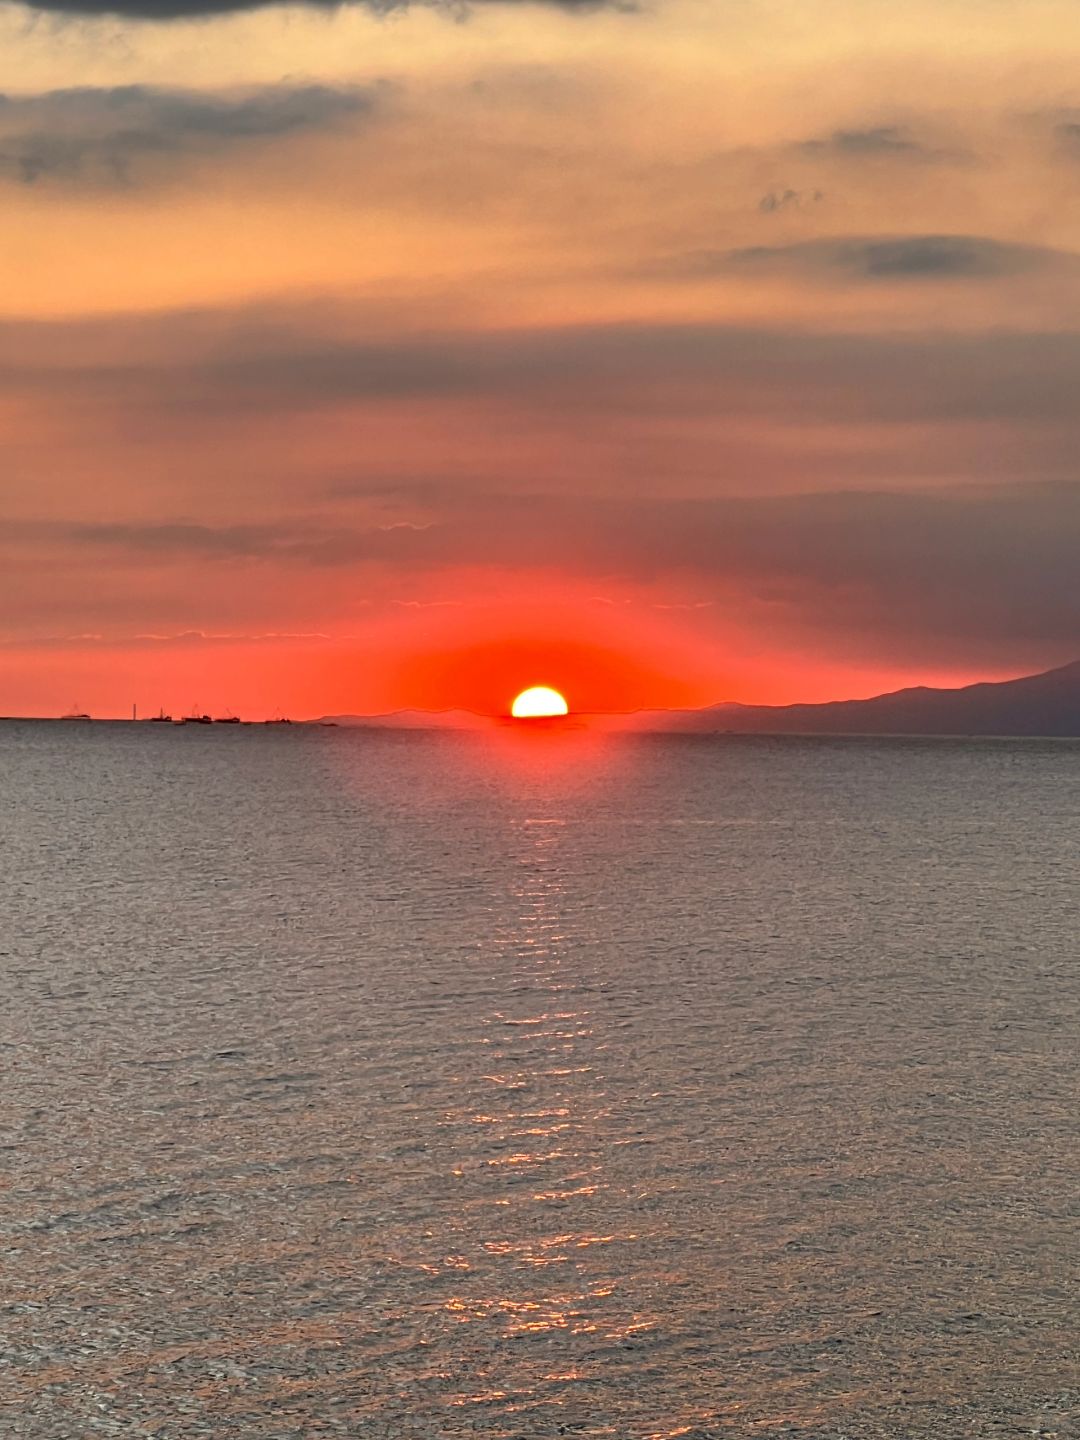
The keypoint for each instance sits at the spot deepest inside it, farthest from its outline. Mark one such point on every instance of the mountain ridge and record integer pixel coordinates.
(1043, 704)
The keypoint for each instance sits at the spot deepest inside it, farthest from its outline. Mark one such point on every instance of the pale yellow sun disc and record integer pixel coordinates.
(538, 702)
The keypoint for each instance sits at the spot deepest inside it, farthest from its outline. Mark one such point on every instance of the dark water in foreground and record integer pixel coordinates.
(397, 1085)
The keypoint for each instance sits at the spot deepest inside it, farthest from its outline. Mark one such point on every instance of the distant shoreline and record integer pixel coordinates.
(1044, 706)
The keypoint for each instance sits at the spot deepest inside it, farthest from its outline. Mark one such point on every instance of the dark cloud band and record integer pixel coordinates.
(103, 137)
(269, 356)
(878, 258)
(171, 10)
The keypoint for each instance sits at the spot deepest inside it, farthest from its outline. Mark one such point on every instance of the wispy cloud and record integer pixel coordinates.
(194, 363)
(105, 137)
(775, 201)
(881, 258)
(875, 142)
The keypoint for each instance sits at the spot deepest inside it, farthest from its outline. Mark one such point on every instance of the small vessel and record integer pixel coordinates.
(227, 720)
(74, 714)
(160, 718)
(195, 719)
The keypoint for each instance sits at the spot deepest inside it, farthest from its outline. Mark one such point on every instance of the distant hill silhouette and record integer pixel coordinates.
(1046, 704)
(407, 720)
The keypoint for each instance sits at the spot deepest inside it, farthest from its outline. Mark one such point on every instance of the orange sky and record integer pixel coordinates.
(666, 354)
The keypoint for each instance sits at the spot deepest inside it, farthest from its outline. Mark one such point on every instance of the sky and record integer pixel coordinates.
(389, 355)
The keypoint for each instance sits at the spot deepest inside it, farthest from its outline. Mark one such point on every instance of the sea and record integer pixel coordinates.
(415, 1085)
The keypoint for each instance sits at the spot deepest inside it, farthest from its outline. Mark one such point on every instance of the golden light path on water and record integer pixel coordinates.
(545, 1109)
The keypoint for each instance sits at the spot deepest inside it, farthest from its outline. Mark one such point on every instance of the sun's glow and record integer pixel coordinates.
(538, 702)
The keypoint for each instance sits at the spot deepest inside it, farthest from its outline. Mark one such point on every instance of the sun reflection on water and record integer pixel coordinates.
(545, 1048)
(539, 1237)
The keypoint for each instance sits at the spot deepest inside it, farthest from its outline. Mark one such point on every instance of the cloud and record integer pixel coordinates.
(172, 10)
(101, 137)
(874, 142)
(884, 258)
(179, 640)
(948, 572)
(209, 364)
(907, 573)
(777, 200)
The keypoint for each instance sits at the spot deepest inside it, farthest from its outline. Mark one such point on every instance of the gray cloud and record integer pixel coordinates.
(194, 364)
(776, 200)
(183, 539)
(173, 10)
(883, 258)
(93, 136)
(874, 142)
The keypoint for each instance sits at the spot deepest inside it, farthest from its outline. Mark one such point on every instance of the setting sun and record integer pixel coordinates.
(538, 702)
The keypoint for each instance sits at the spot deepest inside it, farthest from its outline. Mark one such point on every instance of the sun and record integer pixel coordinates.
(537, 703)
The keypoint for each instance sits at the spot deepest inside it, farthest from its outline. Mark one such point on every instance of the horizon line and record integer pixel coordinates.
(329, 717)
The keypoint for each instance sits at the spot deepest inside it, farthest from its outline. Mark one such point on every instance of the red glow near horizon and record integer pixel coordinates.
(614, 654)
(608, 657)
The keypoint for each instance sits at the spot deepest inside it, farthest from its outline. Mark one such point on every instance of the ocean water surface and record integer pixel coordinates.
(415, 1085)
